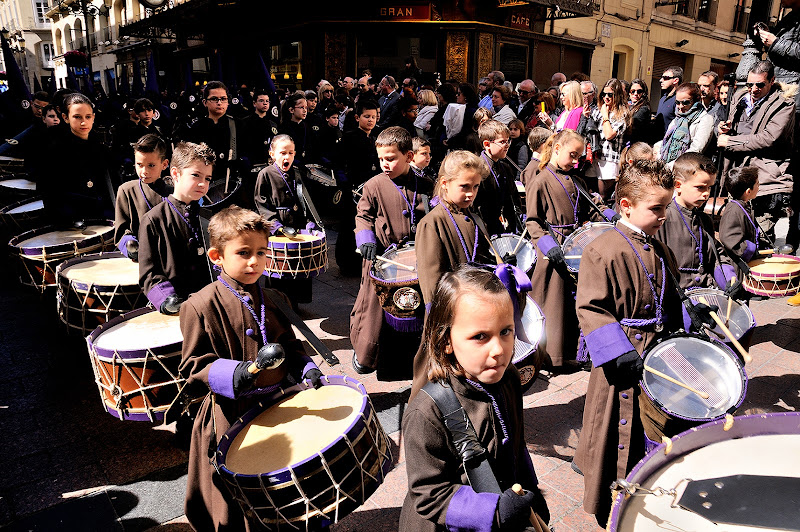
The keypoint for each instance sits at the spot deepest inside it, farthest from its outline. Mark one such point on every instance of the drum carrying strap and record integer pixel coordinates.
(298, 322)
(588, 198)
(310, 204)
(473, 455)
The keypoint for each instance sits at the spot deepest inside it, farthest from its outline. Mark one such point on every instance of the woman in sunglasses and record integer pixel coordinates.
(691, 128)
(640, 130)
(615, 118)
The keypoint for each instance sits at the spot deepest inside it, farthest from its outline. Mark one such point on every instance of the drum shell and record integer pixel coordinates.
(277, 489)
(24, 220)
(773, 284)
(156, 367)
(529, 354)
(399, 319)
(303, 259)
(742, 323)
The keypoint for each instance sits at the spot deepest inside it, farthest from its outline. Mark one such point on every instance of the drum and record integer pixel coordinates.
(774, 276)
(528, 358)
(302, 256)
(320, 174)
(760, 445)
(575, 243)
(42, 250)
(22, 215)
(710, 367)
(741, 321)
(93, 289)
(398, 288)
(307, 460)
(135, 358)
(526, 253)
(16, 188)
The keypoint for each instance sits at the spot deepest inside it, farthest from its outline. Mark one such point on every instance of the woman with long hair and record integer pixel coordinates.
(691, 128)
(640, 113)
(615, 118)
(572, 99)
(428, 105)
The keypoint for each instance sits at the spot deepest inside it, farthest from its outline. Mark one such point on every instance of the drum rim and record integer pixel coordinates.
(516, 360)
(271, 399)
(64, 246)
(734, 358)
(697, 437)
(588, 225)
(716, 291)
(394, 247)
(83, 285)
(303, 244)
(527, 244)
(18, 179)
(5, 211)
(777, 276)
(127, 354)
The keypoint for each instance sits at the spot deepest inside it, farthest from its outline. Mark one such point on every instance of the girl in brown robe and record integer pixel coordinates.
(626, 300)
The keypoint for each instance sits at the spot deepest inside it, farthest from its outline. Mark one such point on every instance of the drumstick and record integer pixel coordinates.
(745, 355)
(517, 488)
(521, 240)
(253, 368)
(730, 301)
(572, 257)
(704, 395)
(398, 264)
(228, 173)
(766, 251)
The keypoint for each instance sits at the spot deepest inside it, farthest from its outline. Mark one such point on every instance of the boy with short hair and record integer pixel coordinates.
(738, 230)
(260, 128)
(330, 138)
(233, 370)
(136, 197)
(392, 204)
(422, 156)
(172, 262)
(688, 231)
(409, 109)
(498, 200)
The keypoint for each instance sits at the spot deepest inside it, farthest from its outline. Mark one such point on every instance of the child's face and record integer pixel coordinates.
(498, 148)
(299, 111)
(243, 258)
(333, 121)
(367, 119)
(149, 166)
(422, 157)
(191, 183)
(80, 119)
(283, 154)
(311, 105)
(461, 190)
(262, 103)
(146, 116)
(649, 213)
(482, 336)
(694, 191)
(217, 102)
(394, 162)
(411, 113)
(515, 132)
(565, 157)
(51, 118)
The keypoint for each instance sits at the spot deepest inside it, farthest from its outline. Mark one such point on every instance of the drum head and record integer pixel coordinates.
(776, 266)
(19, 184)
(527, 340)
(29, 206)
(741, 318)
(704, 365)
(299, 239)
(526, 254)
(391, 273)
(576, 242)
(42, 241)
(110, 271)
(294, 430)
(141, 332)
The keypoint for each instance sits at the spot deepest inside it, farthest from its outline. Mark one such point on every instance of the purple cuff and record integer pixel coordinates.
(365, 236)
(309, 365)
(310, 226)
(220, 377)
(546, 243)
(123, 243)
(610, 214)
(749, 250)
(471, 512)
(275, 226)
(159, 293)
(607, 343)
(722, 274)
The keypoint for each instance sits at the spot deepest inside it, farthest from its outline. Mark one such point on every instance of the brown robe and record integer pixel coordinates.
(613, 286)
(215, 324)
(172, 257)
(676, 236)
(135, 199)
(498, 196)
(739, 233)
(553, 288)
(380, 219)
(276, 201)
(438, 489)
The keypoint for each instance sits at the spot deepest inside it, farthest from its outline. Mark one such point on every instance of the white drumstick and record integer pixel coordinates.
(730, 301)
(745, 355)
(394, 263)
(572, 257)
(647, 368)
(521, 240)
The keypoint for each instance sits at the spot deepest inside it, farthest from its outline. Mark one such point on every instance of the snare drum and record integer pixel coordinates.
(321, 174)
(307, 460)
(94, 289)
(528, 358)
(42, 250)
(16, 188)
(300, 257)
(135, 358)
(760, 445)
(22, 215)
(398, 289)
(775, 276)
(526, 253)
(710, 367)
(575, 243)
(741, 322)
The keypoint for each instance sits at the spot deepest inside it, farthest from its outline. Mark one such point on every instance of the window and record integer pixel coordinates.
(40, 9)
(47, 54)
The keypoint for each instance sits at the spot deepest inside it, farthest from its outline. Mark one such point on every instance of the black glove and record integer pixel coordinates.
(132, 247)
(514, 511)
(315, 376)
(628, 369)
(368, 251)
(555, 255)
(510, 258)
(242, 378)
(288, 232)
(270, 356)
(700, 314)
(733, 289)
(172, 305)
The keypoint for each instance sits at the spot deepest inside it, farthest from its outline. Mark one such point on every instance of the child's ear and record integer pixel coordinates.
(409, 156)
(174, 173)
(215, 256)
(486, 143)
(448, 348)
(164, 164)
(625, 204)
(678, 184)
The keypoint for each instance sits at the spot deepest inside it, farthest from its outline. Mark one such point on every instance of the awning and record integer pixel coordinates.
(558, 8)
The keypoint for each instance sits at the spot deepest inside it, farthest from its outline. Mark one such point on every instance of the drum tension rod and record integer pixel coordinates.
(634, 489)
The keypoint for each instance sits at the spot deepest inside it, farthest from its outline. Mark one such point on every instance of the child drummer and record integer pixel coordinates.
(136, 197)
(738, 230)
(391, 206)
(498, 201)
(172, 251)
(218, 359)
(279, 197)
(626, 301)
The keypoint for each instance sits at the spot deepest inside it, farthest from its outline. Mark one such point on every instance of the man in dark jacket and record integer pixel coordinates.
(670, 79)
